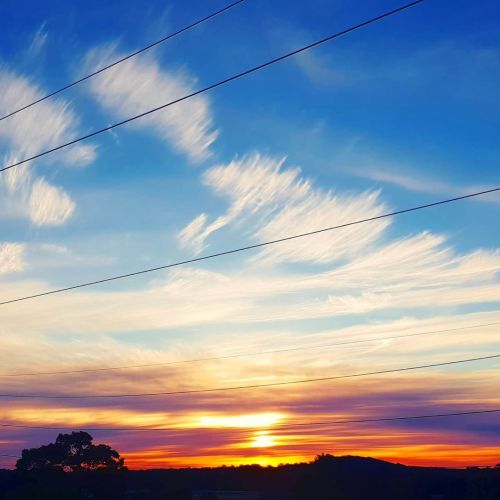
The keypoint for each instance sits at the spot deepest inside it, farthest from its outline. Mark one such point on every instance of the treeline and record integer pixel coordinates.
(327, 478)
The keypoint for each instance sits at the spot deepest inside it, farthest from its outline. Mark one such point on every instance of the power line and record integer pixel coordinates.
(251, 247)
(248, 354)
(241, 387)
(129, 56)
(218, 84)
(272, 427)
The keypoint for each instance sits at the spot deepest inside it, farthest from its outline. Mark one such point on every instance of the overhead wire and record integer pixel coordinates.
(248, 354)
(217, 84)
(125, 58)
(251, 247)
(249, 386)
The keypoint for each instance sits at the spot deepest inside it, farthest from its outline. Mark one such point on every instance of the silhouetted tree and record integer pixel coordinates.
(70, 453)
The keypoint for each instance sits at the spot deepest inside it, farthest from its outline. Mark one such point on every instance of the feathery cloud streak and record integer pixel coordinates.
(24, 195)
(140, 84)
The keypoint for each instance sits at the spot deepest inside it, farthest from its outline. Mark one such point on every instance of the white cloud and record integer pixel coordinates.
(44, 126)
(15, 186)
(139, 84)
(39, 41)
(256, 181)
(286, 204)
(11, 257)
(252, 184)
(320, 70)
(360, 270)
(364, 274)
(81, 155)
(318, 211)
(417, 273)
(49, 205)
(193, 235)
(418, 183)
(406, 180)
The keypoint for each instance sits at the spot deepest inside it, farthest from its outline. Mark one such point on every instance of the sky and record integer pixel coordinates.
(398, 114)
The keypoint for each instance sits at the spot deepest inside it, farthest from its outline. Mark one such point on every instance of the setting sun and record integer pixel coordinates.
(263, 440)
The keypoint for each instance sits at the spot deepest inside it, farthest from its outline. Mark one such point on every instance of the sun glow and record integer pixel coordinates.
(257, 420)
(89, 416)
(262, 439)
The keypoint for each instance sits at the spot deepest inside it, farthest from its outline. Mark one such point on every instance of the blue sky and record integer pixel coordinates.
(401, 113)
(413, 95)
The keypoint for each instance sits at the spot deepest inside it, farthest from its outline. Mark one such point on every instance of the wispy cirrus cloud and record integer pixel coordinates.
(420, 183)
(26, 196)
(252, 185)
(43, 126)
(11, 257)
(39, 40)
(419, 272)
(49, 205)
(140, 84)
(260, 188)
(25, 134)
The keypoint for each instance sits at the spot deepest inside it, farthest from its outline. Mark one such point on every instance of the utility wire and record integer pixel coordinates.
(271, 427)
(129, 56)
(241, 387)
(218, 84)
(248, 354)
(251, 247)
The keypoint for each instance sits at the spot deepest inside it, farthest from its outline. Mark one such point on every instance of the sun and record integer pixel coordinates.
(262, 439)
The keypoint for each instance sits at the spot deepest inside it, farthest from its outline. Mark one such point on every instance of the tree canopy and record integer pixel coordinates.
(70, 453)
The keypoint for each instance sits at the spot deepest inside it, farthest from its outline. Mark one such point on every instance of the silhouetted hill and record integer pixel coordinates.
(327, 478)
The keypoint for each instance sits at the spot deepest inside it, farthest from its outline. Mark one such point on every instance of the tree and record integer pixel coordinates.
(70, 453)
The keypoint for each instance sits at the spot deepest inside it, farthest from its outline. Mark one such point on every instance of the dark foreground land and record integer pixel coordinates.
(332, 478)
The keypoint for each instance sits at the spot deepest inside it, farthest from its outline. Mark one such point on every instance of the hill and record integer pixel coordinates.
(327, 478)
